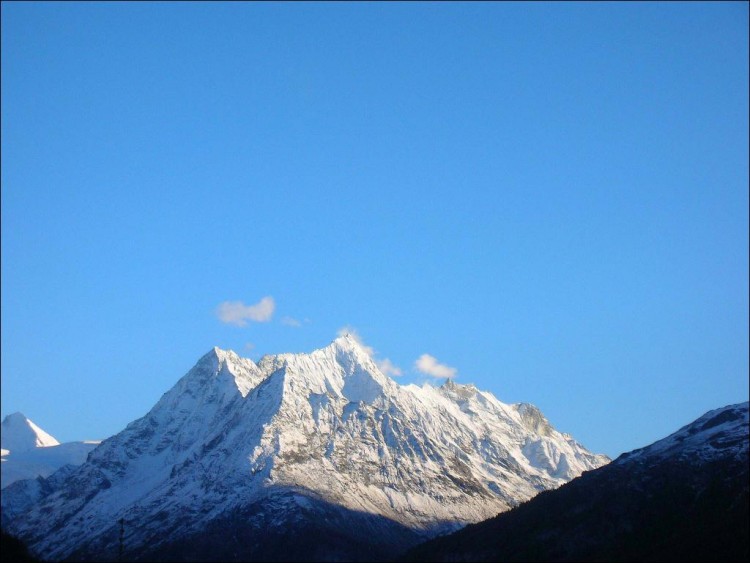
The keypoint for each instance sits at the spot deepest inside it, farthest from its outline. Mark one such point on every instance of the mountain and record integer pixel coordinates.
(20, 434)
(298, 457)
(29, 452)
(683, 498)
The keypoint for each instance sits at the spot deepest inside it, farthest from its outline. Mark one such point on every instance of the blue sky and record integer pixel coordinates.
(551, 199)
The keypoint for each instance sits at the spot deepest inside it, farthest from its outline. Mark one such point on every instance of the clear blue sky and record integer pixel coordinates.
(550, 198)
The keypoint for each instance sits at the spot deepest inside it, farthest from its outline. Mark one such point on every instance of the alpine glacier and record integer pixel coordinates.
(254, 446)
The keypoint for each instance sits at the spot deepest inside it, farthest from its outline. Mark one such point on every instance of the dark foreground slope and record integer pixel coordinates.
(14, 549)
(285, 526)
(684, 498)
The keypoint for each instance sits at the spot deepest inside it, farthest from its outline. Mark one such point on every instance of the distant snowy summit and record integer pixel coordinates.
(29, 452)
(20, 434)
(321, 445)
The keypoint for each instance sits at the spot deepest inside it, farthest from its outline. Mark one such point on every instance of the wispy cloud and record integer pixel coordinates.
(249, 346)
(429, 365)
(237, 313)
(291, 321)
(388, 368)
(351, 331)
(385, 365)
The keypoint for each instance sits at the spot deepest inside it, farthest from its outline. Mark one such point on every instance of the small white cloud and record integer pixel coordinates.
(429, 365)
(343, 331)
(249, 346)
(388, 368)
(237, 313)
(290, 321)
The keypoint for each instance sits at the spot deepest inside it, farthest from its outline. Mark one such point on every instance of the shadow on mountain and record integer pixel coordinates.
(14, 549)
(673, 510)
(284, 526)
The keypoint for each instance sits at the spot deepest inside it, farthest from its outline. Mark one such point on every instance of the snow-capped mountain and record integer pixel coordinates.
(718, 434)
(321, 442)
(683, 498)
(20, 434)
(29, 452)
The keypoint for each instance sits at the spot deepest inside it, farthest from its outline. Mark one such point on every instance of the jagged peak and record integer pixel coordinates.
(450, 383)
(457, 390)
(346, 338)
(242, 371)
(211, 358)
(349, 343)
(359, 378)
(220, 355)
(345, 343)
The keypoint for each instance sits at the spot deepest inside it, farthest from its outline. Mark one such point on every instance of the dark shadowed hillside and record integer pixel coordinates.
(684, 498)
(14, 549)
(276, 528)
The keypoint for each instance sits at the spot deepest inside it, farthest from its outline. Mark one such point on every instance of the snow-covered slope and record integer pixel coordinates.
(29, 452)
(720, 433)
(325, 427)
(41, 462)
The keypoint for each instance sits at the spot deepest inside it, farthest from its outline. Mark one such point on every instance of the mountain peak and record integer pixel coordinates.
(225, 365)
(349, 348)
(347, 341)
(457, 390)
(216, 355)
(718, 433)
(19, 433)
